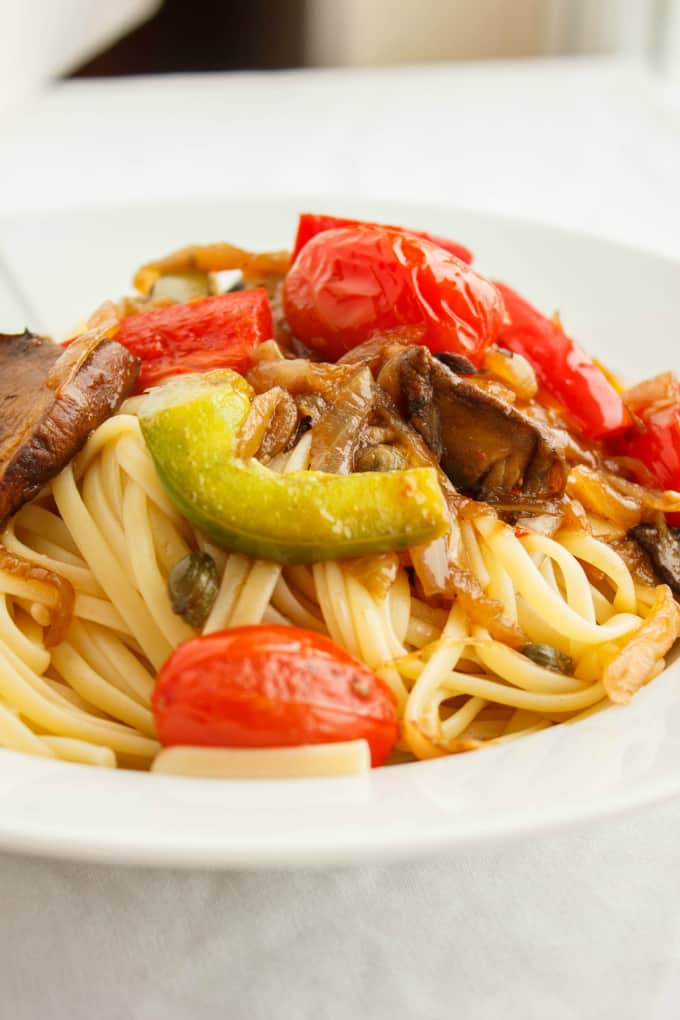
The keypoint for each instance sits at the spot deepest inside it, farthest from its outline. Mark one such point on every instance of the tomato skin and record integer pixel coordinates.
(563, 368)
(349, 283)
(196, 336)
(657, 445)
(311, 224)
(271, 686)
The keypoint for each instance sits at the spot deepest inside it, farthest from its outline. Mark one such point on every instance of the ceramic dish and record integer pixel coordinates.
(624, 306)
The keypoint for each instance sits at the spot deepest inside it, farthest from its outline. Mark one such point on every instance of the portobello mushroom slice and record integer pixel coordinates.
(662, 545)
(51, 399)
(487, 447)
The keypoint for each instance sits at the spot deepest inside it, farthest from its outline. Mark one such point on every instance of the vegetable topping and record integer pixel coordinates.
(486, 446)
(311, 224)
(655, 439)
(562, 367)
(351, 282)
(548, 657)
(192, 587)
(271, 686)
(213, 332)
(190, 426)
(473, 494)
(51, 400)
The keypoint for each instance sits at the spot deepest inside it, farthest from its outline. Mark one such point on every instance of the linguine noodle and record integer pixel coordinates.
(106, 525)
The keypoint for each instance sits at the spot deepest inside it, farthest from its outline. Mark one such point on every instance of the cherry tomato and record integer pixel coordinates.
(349, 283)
(562, 367)
(311, 224)
(271, 686)
(196, 336)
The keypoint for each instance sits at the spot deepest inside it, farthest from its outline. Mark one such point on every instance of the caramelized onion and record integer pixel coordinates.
(337, 434)
(45, 587)
(652, 501)
(375, 351)
(494, 388)
(310, 407)
(521, 503)
(181, 287)
(439, 575)
(661, 389)
(637, 662)
(267, 351)
(540, 524)
(483, 611)
(574, 517)
(269, 426)
(432, 566)
(596, 493)
(212, 258)
(376, 573)
(513, 370)
(298, 375)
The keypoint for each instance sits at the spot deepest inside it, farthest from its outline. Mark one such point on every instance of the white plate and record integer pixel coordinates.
(624, 305)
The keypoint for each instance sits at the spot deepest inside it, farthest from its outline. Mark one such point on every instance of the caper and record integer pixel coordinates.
(548, 657)
(380, 458)
(193, 586)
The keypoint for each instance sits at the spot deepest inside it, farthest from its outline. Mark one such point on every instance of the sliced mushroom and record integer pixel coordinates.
(486, 447)
(51, 399)
(662, 545)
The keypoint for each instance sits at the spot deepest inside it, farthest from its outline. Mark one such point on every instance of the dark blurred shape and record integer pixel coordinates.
(208, 35)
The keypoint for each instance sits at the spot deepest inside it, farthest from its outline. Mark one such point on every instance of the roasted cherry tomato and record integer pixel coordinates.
(350, 283)
(196, 336)
(563, 368)
(271, 686)
(311, 224)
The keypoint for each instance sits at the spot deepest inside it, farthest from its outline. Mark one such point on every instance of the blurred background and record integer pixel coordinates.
(213, 35)
(41, 40)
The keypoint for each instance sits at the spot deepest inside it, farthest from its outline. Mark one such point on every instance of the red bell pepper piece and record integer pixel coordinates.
(349, 283)
(311, 224)
(563, 368)
(656, 442)
(196, 336)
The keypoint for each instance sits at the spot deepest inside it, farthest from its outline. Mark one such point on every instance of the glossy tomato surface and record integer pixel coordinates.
(311, 224)
(271, 686)
(350, 283)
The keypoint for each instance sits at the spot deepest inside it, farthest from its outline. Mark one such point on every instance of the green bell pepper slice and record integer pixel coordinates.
(190, 425)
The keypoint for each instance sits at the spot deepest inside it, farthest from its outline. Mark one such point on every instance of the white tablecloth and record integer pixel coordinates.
(581, 925)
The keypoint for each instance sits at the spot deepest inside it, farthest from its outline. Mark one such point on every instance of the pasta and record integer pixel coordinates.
(106, 525)
(523, 612)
